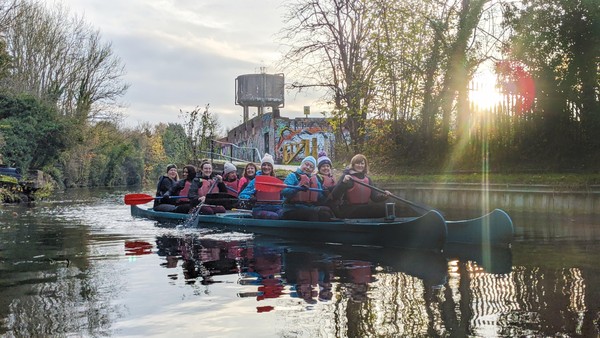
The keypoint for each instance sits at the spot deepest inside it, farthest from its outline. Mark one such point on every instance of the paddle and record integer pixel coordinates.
(231, 189)
(135, 199)
(193, 217)
(416, 207)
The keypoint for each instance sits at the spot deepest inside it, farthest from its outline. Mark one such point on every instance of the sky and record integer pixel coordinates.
(180, 54)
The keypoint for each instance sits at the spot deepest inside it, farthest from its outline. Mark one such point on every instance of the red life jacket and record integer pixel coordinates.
(207, 184)
(305, 196)
(184, 192)
(359, 194)
(326, 182)
(234, 187)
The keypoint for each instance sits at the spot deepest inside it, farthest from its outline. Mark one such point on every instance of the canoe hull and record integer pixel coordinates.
(161, 216)
(429, 231)
(495, 228)
(425, 232)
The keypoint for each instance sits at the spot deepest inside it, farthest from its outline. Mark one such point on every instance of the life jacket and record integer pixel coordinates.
(305, 196)
(359, 194)
(325, 183)
(184, 192)
(206, 185)
(234, 187)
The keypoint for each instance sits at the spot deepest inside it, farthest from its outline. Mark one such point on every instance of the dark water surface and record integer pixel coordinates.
(80, 265)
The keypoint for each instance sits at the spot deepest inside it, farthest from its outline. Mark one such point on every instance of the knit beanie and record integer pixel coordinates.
(323, 159)
(309, 159)
(267, 159)
(171, 166)
(228, 168)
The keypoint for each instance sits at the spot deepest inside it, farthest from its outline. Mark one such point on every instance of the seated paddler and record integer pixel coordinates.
(205, 184)
(165, 182)
(180, 191)
(358, 200)
(301, 197)
(265, 204)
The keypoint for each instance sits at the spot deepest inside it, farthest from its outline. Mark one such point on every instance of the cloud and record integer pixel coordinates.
(180, 54)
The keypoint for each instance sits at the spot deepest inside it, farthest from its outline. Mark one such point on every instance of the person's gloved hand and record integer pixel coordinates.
(304, 187)
(165, 199)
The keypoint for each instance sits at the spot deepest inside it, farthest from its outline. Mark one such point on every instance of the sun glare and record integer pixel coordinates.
(483, 93)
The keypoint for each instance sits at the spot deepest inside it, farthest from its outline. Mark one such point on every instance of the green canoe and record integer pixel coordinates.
(429, 231)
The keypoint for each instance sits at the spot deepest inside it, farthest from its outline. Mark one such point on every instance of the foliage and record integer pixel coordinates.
(200, 129)
(34, 135)
(175, 143)
(559, 42)
(106, 156)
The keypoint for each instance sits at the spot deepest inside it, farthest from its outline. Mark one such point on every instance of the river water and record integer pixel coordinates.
(80, 265)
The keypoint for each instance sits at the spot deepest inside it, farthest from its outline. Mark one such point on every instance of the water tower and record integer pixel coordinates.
(259, 90)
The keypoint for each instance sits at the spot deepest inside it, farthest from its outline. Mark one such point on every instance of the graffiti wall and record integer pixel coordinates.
(288, 140)
(296, 139)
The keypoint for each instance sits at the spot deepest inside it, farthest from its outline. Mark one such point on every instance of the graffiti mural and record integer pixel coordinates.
(288, 140)
(293, 144)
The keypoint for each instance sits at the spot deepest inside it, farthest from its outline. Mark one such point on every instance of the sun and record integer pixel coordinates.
(483, 92)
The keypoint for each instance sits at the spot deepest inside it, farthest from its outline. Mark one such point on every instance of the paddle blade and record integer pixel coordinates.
(268, 184)
(135, 199)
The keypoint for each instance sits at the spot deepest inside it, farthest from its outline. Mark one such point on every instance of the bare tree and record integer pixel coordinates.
(201, 128)
(61, 59)
(6, 8)
(329, 45)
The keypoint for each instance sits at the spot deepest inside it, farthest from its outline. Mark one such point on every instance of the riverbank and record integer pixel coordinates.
(560, 181)
(555, 193)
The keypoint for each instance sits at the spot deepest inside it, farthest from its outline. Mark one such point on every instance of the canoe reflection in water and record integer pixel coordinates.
(311, 272)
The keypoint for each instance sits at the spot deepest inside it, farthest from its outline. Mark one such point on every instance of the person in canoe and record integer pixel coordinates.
(181, 188)
(249, 174)
(230, 179)
(266, 204)
(165, 182)
(299, 202)
(205, 184)
(356, 200)
(324, 180)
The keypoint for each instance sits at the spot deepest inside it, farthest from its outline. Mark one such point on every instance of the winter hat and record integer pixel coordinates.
(171, 166)
(228, 168)
(309, 159)
(267, 159)
(323, 159)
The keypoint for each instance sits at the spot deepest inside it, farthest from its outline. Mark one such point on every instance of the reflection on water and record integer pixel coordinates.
(82, 266)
